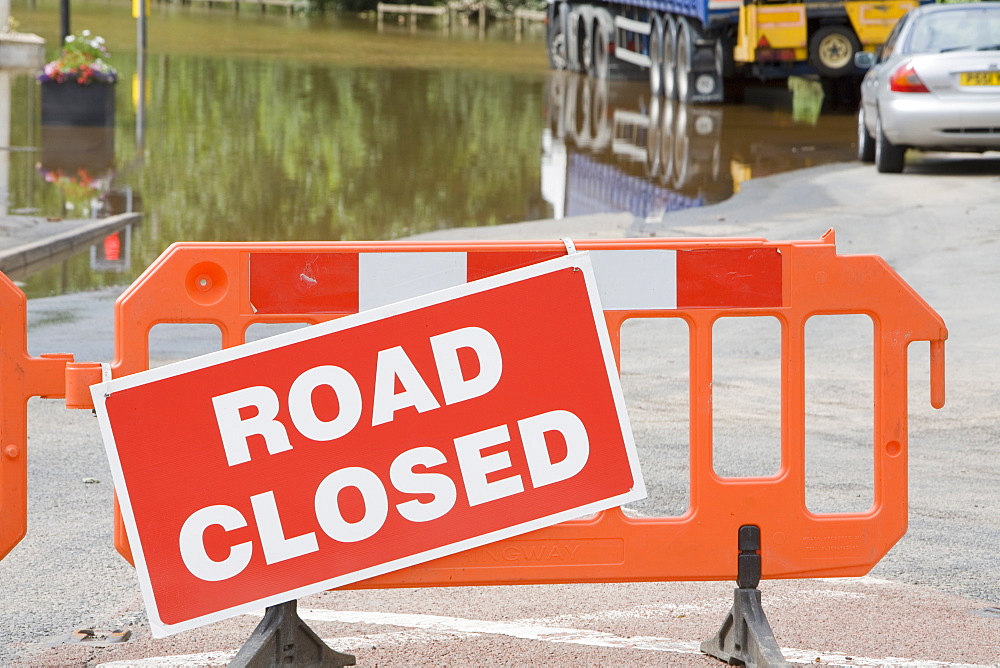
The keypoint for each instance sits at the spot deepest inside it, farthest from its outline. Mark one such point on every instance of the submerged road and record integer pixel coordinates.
(932, 601)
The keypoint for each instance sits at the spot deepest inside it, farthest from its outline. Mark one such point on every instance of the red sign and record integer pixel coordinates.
(341, 451)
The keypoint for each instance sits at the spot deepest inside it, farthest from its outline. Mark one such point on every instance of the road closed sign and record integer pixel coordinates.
(327, 455)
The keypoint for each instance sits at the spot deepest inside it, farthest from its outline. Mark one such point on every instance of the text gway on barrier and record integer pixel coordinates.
(327, 455)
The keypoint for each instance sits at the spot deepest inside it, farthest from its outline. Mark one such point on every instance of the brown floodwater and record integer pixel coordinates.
(270, 127)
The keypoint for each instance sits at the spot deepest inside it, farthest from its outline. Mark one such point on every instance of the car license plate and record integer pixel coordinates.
(991, 78)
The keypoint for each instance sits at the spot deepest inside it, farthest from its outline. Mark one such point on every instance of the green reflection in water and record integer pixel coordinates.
(241, 148)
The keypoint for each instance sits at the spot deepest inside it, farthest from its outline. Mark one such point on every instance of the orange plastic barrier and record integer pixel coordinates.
(697, 280)
(21, 377)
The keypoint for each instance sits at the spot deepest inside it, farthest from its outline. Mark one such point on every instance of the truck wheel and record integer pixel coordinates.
(602, 59)
(682, 64)
(667, 132)
(682, 148)
(581, 112)
(653, 141)
(889, 158)
(832, 49)
(558, 47)
(587, 49)
(669, 58)
(656, 56)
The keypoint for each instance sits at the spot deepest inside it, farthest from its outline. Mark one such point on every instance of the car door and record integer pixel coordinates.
(871, 83)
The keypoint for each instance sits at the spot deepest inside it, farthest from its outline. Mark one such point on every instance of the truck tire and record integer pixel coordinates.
(889, 158)
(602, 56)
(682, 148)
(578, 111)
(656, 56)
(832, 49)
(558, 46)
(587, 48)
(682, 62)
(667, 134)
(653, 139)
(669, 58)
(576, 31)
(604, 65)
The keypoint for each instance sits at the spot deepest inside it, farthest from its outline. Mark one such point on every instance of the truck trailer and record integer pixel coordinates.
(690, 49)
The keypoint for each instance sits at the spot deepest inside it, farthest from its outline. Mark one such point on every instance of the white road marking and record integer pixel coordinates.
(864, 579)
(203, 659)
(442, 627)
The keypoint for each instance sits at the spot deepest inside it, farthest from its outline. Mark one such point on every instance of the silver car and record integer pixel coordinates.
(934, 85)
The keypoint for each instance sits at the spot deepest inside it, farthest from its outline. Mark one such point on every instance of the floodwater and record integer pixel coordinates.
(270, 127)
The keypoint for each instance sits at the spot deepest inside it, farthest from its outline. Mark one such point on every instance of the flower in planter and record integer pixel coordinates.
(83, 59)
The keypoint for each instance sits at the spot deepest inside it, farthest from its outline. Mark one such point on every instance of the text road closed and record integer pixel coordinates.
(352, 448)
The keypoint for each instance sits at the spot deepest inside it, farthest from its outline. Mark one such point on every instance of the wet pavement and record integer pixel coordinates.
(927, 603)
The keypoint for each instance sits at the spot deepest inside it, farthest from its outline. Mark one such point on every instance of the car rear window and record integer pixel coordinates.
(971, 28)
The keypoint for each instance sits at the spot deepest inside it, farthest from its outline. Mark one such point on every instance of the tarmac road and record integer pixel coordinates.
(932, 601)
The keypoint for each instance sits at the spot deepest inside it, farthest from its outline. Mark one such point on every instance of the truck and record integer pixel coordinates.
(692, 49)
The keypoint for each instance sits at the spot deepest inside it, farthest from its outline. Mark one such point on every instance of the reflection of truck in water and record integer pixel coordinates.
(606, 150)
(689, 48)
(612, 147)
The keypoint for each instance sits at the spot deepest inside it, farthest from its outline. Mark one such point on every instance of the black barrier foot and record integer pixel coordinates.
(283, 639)
(745, 637)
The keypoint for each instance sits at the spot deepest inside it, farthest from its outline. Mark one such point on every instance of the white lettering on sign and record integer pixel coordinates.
(192, 543)
(236, 430)
(392, 365)
(543, 470)
(328, 504)
(408, 481)
(474, 467)
(300, 403)
(455, 386)
(272, 536)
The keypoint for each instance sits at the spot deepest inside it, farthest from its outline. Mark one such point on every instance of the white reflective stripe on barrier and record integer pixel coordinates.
(626, 279)
(384, 278)
(636, 279)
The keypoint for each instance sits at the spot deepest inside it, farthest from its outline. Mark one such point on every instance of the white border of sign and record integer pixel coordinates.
(580, 261)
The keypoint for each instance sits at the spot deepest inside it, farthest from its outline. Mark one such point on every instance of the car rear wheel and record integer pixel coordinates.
(866, 143)
(889, 158)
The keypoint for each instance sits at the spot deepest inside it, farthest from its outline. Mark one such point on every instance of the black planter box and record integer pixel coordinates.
(69, 103)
